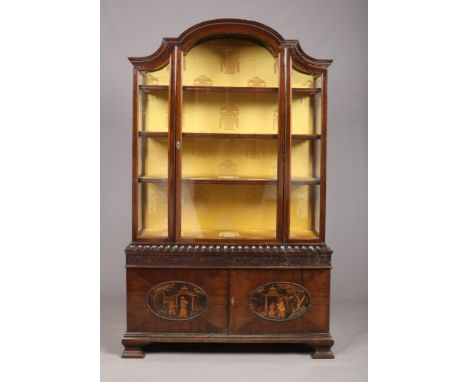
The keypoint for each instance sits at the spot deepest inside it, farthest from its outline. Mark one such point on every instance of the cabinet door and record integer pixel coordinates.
(228, 143)
(153, 185)
(177, 301)
(279, 302)
(305, 169)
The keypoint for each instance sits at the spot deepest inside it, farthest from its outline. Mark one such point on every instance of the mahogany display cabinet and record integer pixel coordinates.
(229, 191)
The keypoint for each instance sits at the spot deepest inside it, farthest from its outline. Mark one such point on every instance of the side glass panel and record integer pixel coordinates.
(229, 141)
(305, 155)
(153, 125)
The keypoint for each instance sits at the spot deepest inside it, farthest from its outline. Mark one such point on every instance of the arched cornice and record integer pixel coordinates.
(253, 30)
(231, 28)
(158, 58)
(304, 61)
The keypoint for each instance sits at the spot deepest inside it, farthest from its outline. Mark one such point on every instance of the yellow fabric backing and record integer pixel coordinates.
(157, 112)
(304, 211)
(303, 80)
(158, 77)
(228, 211)
(302, 115)
(301, 154)
(156, 157)
(223, 112)
(230, 62)
(215, 157)
(155, 214)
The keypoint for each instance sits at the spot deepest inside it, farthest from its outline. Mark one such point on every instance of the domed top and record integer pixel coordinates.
(221, 28)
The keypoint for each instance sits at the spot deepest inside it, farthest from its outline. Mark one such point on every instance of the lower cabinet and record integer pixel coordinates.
(228, 302)
(177, 301)
(279, 301)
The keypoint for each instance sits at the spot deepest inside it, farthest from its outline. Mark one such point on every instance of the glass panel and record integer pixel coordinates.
(153, 153)
(305, 212)
(306, 105)
(305, 155)
(156, 155)
(305, 159)
(155, 100)
(230, 141)
(158, 77)
(230, 62)
(303, 80)
(228, 211)
(152, 208)
(229, 158)
(229, 112)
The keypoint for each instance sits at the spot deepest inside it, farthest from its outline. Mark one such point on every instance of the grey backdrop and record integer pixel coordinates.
(335, 29)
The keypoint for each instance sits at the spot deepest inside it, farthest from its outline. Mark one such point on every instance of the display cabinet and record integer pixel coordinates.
(229, 188)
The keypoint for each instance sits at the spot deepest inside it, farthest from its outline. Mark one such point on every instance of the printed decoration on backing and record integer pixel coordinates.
(177, 300)
(280, 301)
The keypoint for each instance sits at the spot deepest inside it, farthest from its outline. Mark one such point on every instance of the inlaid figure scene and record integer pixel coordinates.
(177, 300)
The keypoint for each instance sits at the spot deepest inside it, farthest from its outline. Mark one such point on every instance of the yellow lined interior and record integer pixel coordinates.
(305, 212)
(230, 158)
(158, 77)
(230, 62)
(229, 112)
(157, 111)
(305, 159)
(228, 211)
(154, 205)
(153, 197)
(303, 80)
(156, 160)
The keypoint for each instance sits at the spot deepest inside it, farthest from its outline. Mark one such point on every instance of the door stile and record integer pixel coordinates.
(171, 145)
(135, 156)
(281, 155)
(323, 157)
(287, 146)
(177, 144)
(230, 302)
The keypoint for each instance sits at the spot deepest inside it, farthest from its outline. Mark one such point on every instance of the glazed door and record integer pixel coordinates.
(177, 301)
(229, 145)
(279, 302)
(305, 164)
(153, 180)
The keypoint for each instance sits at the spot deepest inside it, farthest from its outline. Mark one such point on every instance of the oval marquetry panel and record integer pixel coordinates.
(177, 300)
(280, 301)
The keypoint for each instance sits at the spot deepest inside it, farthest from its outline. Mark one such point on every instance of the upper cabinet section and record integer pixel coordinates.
(230, 63)
(229, 138)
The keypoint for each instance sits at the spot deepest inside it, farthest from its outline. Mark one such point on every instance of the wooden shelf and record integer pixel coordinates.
(239, 89)
(252, 181)
(153, 88)
(227, 235)
(156, 134)
(152, 233)
(310, 182)
(303, 234)
(260, 181)
(153, 134)
(306, 136)
(306, 91)
(151, 179)
(227, 135)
